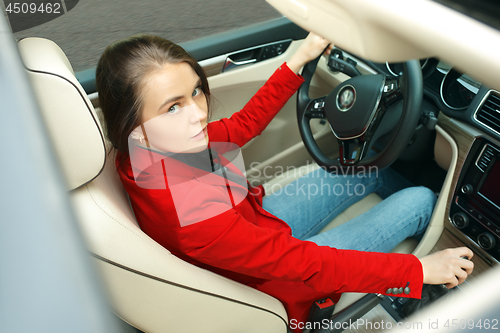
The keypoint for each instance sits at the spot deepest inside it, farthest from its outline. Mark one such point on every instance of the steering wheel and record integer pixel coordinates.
(361, 110)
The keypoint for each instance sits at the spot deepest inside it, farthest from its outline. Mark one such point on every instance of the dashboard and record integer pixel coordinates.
(455, 94)
(451, 91)
(474, 205)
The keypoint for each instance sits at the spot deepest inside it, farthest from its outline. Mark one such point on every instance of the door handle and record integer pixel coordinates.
(255, 54)
(230, 63)
(243, 62)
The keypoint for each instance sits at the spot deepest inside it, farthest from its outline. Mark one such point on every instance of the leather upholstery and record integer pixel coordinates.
(66, 109)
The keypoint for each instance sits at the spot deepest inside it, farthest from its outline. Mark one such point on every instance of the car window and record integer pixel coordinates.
(86, 27)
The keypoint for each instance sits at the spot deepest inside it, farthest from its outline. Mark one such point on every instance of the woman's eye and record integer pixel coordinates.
(174, 108)
(197, 91)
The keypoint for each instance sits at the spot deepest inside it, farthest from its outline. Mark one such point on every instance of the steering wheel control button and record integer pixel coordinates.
(389, 87)
(460, 220)
(316, 109)
(346, 98)
(486, 240)
(319, 105)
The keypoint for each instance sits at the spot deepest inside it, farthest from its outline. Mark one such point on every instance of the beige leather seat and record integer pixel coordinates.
(148, 287)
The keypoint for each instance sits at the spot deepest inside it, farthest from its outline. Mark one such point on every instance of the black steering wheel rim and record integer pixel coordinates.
(411, 87)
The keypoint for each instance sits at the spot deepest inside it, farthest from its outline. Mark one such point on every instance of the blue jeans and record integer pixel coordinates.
(309, 203)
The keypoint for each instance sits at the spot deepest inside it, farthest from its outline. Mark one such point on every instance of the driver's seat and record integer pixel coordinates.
(149, 287)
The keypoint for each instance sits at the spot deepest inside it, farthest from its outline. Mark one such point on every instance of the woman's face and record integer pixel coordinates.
(174, 114)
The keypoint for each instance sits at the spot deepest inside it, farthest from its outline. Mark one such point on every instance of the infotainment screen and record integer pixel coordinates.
(490, 188)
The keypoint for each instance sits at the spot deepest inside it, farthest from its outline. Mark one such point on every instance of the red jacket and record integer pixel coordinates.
(242, 241)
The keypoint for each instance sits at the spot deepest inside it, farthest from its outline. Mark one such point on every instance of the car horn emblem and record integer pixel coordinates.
(346, 98)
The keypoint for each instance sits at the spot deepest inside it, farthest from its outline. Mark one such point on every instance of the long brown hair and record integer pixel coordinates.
(120, 76)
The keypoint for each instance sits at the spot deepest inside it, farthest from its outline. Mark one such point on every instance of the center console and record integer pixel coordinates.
(475, 209)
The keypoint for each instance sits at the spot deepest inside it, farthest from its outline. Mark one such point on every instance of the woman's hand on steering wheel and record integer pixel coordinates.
(309, 50)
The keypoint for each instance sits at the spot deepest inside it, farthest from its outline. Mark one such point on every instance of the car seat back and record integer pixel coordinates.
(149, 287)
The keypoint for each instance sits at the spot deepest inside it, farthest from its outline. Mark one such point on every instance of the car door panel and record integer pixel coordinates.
(223, 43)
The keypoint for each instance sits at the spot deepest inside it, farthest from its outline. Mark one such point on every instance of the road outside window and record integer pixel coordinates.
(86, 27)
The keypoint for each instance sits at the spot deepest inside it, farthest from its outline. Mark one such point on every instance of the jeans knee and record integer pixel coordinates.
(421, 199)
(427, 196)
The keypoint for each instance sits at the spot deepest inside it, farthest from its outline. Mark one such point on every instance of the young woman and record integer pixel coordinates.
(181, 173)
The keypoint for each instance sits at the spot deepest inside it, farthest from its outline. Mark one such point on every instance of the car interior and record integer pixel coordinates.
(454, 150)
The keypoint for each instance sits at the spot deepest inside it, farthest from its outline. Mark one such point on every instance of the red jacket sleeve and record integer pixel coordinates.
(250, 121)
(230, 242)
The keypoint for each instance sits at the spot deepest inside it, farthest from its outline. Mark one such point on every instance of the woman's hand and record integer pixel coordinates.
(447, 266)
(309, 50)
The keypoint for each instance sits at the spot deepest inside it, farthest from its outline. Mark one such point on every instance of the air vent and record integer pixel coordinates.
(488, 113)
(485, 157)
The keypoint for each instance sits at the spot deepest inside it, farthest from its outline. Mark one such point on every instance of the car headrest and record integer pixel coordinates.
(68, 113)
